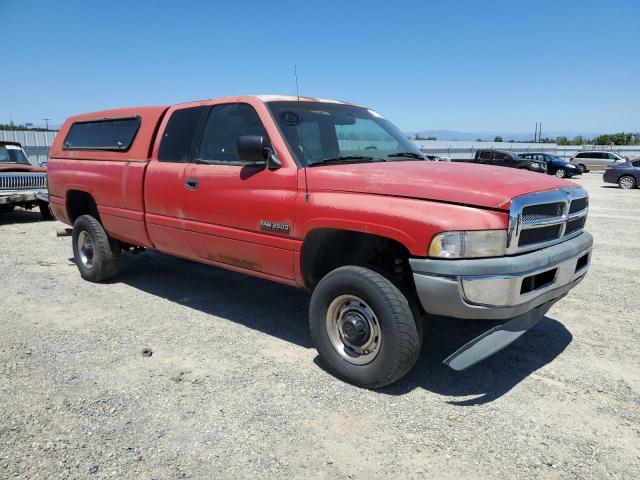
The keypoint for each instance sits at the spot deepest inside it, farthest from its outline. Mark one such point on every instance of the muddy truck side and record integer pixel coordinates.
(329, 197)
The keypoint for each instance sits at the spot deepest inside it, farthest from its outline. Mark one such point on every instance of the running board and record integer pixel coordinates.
(494, 340)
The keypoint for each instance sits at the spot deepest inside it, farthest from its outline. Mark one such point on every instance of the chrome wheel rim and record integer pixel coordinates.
(353, 329)
(626, 183)
(560, 173)
(85, 249)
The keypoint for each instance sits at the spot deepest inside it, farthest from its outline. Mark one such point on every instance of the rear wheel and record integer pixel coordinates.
(363, 327)
(96, 254)
(561, 173)
(627, 182)
(44, 211)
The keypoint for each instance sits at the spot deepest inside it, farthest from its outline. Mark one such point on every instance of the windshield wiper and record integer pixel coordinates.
(418, 156)
(346, 159)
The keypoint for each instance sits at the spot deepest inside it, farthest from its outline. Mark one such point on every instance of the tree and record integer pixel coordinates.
(498, 139)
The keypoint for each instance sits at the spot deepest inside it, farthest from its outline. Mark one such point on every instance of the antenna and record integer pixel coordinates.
(306, 180)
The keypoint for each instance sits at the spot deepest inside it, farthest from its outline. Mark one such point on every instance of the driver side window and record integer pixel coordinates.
(224, 125)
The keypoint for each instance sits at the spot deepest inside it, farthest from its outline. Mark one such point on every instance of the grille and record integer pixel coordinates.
(545, 211)
(575, 225)
(539, 235)
(578, 205)
(23, 181)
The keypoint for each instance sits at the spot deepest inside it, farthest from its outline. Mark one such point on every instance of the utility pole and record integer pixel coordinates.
(535, 134)
(47, 122)
(540, 132)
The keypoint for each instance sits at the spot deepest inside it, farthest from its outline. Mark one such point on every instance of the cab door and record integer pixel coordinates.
(239, 215)
(166, 189)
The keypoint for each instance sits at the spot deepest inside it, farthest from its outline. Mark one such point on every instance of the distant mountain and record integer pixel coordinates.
(489, 136)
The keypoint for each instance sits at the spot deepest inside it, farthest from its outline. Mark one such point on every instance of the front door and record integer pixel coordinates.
(239, 215)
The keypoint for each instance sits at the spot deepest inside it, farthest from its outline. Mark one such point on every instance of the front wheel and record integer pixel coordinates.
(561, 173)
(95, 253)
(627, 182)
(583, 168)
(363, 327)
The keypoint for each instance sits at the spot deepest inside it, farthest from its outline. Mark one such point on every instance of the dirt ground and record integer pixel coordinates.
(234, 388)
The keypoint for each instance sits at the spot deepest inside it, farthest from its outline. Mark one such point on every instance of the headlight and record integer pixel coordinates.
(470, 244)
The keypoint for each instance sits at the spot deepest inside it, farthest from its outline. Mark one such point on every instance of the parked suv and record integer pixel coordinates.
(626, 175)
(596, 160)
(555, 165)
(329, 197)
(507, 159)
(21, 184)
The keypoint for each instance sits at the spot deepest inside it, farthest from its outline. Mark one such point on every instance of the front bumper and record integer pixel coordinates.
(518, 290)
(610, 176)
(18, 197)
(501, 288)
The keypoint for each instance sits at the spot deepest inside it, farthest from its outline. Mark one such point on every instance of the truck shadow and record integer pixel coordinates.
(20, 216)
(281, 311)
(489, 379)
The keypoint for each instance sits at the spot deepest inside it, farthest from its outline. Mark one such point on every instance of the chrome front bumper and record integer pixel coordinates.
(10, 197)
(501, 288)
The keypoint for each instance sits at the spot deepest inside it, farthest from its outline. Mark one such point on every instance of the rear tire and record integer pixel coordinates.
(44, 211)
(96, 254)
(627, 182)
(363, 327)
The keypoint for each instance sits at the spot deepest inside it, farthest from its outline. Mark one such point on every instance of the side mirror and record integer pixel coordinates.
(251, 149)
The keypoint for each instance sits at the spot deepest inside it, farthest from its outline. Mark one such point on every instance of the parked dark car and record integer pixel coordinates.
(626, 175)
(507, 159)
(555, 165)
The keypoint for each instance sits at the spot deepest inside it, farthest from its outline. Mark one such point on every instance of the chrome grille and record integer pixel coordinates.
(578, 204)
(541, 219)
(533, 213)
(537, 235)
(16, 181)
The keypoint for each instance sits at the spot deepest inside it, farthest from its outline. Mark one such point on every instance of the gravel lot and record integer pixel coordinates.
(234, 389)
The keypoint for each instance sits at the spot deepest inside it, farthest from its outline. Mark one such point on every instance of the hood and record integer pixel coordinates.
(19, 167)
(463, 183)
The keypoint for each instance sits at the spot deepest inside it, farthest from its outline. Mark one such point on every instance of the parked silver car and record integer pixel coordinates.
(596, 160)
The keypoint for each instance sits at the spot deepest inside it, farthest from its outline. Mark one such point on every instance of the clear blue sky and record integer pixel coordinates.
(458, 65)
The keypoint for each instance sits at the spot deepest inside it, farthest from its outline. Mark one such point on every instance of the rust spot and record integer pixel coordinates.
(238, 262)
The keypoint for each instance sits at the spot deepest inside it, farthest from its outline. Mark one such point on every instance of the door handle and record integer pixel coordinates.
(191, 183)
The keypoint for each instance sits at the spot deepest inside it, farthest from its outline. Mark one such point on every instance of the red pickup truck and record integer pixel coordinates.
(330, 197)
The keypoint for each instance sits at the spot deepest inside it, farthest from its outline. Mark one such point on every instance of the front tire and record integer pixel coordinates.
(583, 168)
(95, 253)
(561, 173)
(363, 327)
(627, 182)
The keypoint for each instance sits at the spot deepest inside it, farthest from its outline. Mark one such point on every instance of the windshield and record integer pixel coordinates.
(318, 131)
(557, 159)
(13, 154)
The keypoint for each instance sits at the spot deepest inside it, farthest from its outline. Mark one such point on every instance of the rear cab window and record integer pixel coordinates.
(115, 134)
(180, 135)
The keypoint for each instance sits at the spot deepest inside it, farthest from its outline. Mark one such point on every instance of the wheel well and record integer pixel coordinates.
(327, 249)
(81, 203)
